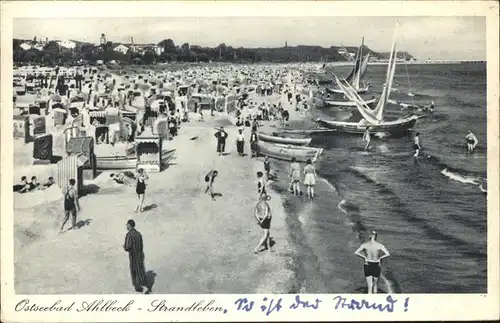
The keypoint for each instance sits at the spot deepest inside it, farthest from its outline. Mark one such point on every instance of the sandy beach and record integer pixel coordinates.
(192, 244)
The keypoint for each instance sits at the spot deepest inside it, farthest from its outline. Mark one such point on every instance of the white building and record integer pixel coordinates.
(67, 44)
(121, 48)
(38, 47)
(25, 46)
(159, 50)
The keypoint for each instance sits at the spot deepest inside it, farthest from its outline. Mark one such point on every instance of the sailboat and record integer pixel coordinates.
(374, 119)
(355, 78)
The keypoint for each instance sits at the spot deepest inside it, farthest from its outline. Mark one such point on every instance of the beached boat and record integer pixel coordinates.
(127, 162)
(355, 78)
(287, 152)
(116, 162)
(346, 103)
(361, 90)
(374, 119)
(284, 140)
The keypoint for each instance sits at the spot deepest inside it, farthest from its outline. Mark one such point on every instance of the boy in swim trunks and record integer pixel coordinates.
(263, 215)
(370, 252)
(71, 206)
(209, 179)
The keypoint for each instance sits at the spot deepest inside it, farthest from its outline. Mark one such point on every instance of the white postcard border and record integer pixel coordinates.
(420, 307)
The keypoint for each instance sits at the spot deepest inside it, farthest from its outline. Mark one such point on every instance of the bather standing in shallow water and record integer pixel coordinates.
(310, 178)
(370, 252)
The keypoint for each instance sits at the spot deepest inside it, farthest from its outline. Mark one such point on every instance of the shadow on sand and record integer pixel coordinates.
(89, 189)
(149, 207)
(82, 223)
(216, 195)
(151, 278)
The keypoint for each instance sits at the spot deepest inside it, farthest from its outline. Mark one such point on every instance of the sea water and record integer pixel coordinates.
(429, 212)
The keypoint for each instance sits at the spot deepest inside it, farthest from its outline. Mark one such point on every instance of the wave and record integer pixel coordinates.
(458, 171)
(433, 231)
(459, 178)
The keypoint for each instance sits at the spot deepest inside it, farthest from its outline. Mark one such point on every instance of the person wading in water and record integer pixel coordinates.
(471, 142)
(370, 252)
(263, 216)
(416, 145)
(366, 137)
(295, 177)
(71, 206)
(134, 246)
(310, 178)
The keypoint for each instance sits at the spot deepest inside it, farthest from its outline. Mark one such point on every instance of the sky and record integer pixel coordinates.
(424, 37)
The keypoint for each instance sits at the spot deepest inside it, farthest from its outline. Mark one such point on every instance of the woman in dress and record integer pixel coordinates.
(295, 177)
(140, 188)
(310, 178)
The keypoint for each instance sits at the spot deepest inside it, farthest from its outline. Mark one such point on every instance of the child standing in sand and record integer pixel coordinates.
(140, 188)
(209, 179)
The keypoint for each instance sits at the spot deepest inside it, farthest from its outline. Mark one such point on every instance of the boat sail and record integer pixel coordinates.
(372, 118)
(355, 78)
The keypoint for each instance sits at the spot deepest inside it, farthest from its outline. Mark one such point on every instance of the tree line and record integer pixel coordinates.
(85, 53)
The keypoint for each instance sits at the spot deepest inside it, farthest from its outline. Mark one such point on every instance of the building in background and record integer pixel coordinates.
(121, 48)
(67, 45)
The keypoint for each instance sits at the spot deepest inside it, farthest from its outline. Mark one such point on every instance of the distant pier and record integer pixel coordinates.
(415, 62)
(432, 61)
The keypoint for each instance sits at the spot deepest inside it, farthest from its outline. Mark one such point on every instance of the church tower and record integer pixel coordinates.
(103, 40)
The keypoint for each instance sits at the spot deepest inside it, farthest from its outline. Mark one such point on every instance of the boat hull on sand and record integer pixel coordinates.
(346, 103)
(284, 140)
(339, 91)
(116, 162)
(392, 127)
(126, 162)
(287, 152)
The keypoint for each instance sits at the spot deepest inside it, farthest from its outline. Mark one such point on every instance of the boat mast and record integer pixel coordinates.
(360, 63)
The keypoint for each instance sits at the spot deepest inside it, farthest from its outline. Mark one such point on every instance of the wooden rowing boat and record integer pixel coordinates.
(116, 162)
(287, 152)
(284, 140)
(346, 103)
(127, 162)
(392, 127)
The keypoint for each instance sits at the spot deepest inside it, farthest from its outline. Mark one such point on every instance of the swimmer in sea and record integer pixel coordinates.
(471, 142)
(416, 144)
(366, 137)
(370, 252)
